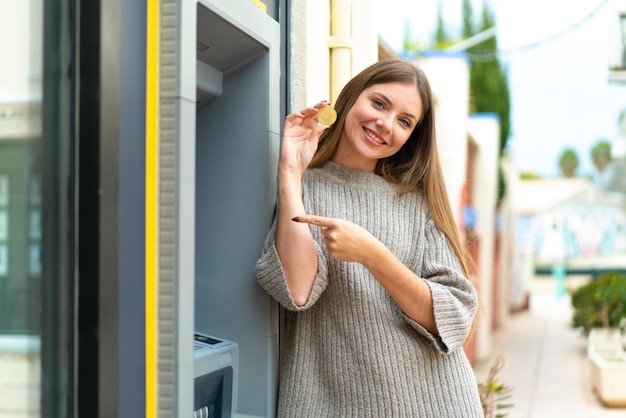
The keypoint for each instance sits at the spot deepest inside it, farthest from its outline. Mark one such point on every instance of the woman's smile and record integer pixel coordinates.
(374, 137)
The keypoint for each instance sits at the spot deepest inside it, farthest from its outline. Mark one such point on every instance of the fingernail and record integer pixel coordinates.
(295, 219)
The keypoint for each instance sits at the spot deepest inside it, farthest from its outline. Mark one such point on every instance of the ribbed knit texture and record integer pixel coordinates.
(350, 351)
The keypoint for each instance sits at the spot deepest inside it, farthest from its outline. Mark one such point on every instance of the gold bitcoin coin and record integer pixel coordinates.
(326, 115)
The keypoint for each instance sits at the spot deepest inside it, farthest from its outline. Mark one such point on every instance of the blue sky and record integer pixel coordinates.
(557, 54)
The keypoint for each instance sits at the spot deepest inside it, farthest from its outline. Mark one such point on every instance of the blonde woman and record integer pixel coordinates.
(365, 256)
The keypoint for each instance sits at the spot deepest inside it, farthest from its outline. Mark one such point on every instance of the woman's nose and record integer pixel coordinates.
(384, 124)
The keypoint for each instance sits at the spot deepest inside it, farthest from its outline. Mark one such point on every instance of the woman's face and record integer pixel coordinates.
(378, 124)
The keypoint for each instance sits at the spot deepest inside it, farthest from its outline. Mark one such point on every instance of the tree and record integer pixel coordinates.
(601, 154)
(488, 77)
(408, 42)
(467, 29)
(442, 39)
(568, 162)
(489, 86)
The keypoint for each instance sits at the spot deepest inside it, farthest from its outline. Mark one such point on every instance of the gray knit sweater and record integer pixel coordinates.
(350, 351)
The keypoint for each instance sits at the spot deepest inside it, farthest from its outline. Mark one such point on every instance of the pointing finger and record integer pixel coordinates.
(314, 220)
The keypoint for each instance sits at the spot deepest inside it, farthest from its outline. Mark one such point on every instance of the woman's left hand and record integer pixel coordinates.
(344, 240)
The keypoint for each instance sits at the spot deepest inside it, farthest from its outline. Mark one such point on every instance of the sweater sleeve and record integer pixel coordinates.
(455, 299)
(271, 276)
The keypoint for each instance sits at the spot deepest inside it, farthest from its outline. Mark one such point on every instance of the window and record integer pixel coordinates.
(20, 208)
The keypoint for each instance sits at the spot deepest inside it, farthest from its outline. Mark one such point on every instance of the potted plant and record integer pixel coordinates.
(600, 311)
(608, 374)
(600, 304)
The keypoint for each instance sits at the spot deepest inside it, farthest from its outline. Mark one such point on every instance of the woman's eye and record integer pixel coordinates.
(379, 103)
(405, 123)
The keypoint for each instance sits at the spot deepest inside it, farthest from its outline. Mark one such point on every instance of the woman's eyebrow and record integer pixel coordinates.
(388, 100)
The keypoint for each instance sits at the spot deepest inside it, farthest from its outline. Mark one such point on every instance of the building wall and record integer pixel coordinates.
(484, 130)
(20, 207)
(311, 41)
(505, 231)
(617, 41)
(309, 60)
(448, 74)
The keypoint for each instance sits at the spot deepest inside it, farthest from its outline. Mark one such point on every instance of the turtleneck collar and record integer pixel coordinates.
(354, 177)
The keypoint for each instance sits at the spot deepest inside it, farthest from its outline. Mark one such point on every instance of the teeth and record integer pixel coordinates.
(374, 137)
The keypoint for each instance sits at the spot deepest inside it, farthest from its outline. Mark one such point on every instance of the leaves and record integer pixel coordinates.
(568, 162)
(493, 393)
(600, 303)
(601, 154)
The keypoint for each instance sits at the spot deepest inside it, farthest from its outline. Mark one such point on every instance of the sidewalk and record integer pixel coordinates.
(545, 360)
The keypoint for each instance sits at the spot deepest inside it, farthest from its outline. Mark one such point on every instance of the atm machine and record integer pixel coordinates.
(237, 71)
(215, 377)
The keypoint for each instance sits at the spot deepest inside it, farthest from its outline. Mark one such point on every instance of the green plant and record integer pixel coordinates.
(568, 162)
(600, 303)
(601, 154)
(493, 393)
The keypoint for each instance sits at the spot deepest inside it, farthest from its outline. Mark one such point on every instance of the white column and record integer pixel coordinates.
(484, 128)
(448, 74)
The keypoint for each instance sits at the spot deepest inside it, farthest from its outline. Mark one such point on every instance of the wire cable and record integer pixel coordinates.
(485, 56)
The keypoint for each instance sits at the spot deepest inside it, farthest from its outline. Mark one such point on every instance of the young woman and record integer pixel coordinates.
(365, 256)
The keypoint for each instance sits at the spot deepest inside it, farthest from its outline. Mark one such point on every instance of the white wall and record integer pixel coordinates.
(507, 238)
(310, 41)
(21, 42)
(21, 81)
(448, 74)
(615, 35)
(309, 61)
(484, 128)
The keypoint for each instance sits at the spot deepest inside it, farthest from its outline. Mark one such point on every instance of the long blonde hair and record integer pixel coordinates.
(416, 166)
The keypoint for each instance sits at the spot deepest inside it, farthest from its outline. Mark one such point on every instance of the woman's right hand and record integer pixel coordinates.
(301, 133)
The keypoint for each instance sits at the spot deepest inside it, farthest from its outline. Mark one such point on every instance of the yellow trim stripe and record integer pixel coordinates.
(260, 5)
(152, 140)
